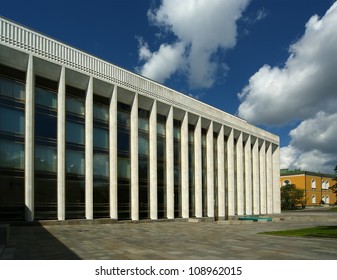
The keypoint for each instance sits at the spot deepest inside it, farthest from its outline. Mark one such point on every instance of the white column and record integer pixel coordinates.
(198, 169)
(269, 179)
(170, 165)
(263, 180)
(276, 181)
(221, 174)
(29, 141)
(113, 155)
(153, 162)
(89, 179)
(134, 160)
(184, 167)
(239, 174)
(210, 170)
(248, 176)
(256, 186)
(61, 145)
(231, 174)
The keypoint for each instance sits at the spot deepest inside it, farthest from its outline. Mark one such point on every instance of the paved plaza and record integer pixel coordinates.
(173, 240)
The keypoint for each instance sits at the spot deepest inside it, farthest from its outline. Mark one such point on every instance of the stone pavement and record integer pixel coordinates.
(173, 240)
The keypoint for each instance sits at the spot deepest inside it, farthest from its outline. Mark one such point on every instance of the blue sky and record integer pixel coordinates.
(270, 62)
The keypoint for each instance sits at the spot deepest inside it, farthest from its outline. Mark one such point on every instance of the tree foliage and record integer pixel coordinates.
(291, 197)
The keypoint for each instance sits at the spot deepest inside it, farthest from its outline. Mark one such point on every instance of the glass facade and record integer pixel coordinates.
(143, 164)
(75, 154)
(12, 130)
(177, 169)
(191, 184)
(101, 158)
(161, 166)
(124, 168)
(204, 172)
(45, 161)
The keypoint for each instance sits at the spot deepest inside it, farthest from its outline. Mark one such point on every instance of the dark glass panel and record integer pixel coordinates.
(11, 88)
(101, 113)
(75, 162)
(101, 165)
(124, 198)
(45, 158)
(101, 138)
(143, 169)
(143, 124)
(12, 154)
(123, 141)
(75, 106)
(45, 126)
(144, 205)
(45, 98)
(143, 144)
(101, 198)
(75, 198)
(161, 153)
(45, 198)
(12, 198)
(124, 168)
(12, 120)
(74, 132)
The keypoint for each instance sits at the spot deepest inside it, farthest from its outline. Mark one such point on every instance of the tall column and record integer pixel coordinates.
(210, 170)
(248, 176)
(89, 179)
(221, 174)
(239, 176)
(113, 155)
(184, 167)
(276, 181)
(134, 160)
(269, 179)
(29, 141)
(153, 162)
(170, 165)
(198, 169)
(231, 174)
(263, 180)
(61, 145)
(256, 186)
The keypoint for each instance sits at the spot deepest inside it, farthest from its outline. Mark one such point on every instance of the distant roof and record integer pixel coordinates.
(285, 172)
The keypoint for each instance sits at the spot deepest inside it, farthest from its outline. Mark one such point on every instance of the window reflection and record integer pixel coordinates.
(45, 97)
(101, 138)
(101, 113)
(124, 168)
(75, 132)
(75, 106)
(45, 158)
(12, 88)
(11, 154)
(12, 120)
(75, 162)
(101, 165)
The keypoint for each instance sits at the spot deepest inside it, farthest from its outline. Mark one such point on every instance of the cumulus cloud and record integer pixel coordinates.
(201, 29)
(305, 89)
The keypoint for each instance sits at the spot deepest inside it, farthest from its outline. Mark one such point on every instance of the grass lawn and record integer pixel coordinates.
(322, 231)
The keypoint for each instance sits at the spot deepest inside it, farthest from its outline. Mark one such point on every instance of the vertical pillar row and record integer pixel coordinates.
(153, 162)
(221, 174)
(113, 155)
(89, 105)
(198, 169)
(170, 164)
(248, 177)
(61, 145)
(231, 174)
(184, 167)
(134, 160)
(210, 170)
(239, 172)
(29, 141)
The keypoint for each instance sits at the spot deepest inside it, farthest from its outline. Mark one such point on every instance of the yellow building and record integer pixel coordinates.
(315, 185)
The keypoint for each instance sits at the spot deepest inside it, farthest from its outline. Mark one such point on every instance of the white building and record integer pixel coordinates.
(83, 138)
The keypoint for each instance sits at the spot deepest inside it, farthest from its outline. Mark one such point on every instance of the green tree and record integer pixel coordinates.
(334, 187)
(291, 197)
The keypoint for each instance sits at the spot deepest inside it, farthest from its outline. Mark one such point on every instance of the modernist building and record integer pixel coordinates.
(83, 138)
(315, 185)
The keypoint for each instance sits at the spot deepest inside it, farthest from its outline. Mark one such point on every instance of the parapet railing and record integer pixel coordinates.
(40, 45)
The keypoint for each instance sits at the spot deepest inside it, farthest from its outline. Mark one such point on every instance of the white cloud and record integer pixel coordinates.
(202, 27)
(306, 84)
(304, 89)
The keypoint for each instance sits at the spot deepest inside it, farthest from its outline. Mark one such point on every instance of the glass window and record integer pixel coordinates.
(75, 132)
(143, 124)
(45, 97)
(161, 129)
(124, 168)
(75, 106)
(101, 113)
(12, 88)
(45, 158)
(12, 154)
(123, 118)
(143, 169)
(101, 138)
(176, 132)
(123, 141)
(160, 149)
(101, 165)
(143, 145)
(45, 126)
(12, 120)
(74, 162)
